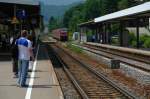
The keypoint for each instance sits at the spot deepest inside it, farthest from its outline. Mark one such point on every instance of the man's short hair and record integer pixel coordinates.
(24, 33)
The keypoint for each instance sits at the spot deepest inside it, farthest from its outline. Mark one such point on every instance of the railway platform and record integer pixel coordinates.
(42, 81)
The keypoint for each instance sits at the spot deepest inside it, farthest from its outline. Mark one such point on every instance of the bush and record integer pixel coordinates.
(89, 33)
(144, 37)
(74, 48)
(132, 39)
(115, 40)
(133, 43)
(147, 43)
(145, 40)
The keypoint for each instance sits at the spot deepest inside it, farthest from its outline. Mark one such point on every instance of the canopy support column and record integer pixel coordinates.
(105, 31)
(109, 33)
(121, 34)
(81, 29)
(103, 34)
(96, 34)
(137, 34)
(99, 34)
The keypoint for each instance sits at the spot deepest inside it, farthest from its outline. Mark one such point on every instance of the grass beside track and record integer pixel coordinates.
(74, 48)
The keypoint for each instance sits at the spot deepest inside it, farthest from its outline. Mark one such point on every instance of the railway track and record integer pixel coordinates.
(134, 54)
(122, 57)
(91, 84)
(68, 89)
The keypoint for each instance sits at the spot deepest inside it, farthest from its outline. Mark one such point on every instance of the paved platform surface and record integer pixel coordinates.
(45, 84)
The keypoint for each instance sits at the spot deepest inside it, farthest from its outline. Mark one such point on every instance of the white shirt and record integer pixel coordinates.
(11, 40)
(24, 46)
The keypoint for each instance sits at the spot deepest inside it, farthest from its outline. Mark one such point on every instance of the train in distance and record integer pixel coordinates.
(60, 34)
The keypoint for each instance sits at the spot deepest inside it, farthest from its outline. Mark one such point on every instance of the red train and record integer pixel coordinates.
(60, 34)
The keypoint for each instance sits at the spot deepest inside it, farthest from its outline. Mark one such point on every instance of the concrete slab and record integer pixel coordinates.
(45, 86)
(8, 86)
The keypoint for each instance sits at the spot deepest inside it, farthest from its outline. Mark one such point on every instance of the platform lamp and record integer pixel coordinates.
(14, 20)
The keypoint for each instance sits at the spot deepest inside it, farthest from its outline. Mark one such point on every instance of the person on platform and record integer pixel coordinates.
(25, 52)
(14, 54)
(4, 43)
(30, 62)
(33, 38)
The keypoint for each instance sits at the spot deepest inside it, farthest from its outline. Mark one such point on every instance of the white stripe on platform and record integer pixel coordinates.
(29, 90)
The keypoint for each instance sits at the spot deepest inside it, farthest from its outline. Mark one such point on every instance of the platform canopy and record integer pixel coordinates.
(143, 9)
(89, 23)
(24, 2)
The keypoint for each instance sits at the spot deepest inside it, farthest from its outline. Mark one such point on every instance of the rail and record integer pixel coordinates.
(102, 76)
(139, 55)
(80, 90)
(123, 59)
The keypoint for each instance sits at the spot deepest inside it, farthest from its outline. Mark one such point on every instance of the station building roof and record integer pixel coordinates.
(24, 2)
(137, 10)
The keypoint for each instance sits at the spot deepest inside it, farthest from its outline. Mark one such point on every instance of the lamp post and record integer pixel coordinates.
(14, 16)
(14, 20)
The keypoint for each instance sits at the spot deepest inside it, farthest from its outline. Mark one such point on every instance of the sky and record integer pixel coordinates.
(59, 2)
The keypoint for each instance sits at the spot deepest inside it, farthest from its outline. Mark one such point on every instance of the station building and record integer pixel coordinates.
(16, 15)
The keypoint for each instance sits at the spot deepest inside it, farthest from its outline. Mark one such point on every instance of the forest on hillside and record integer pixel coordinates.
(95, 8)
(91, 9)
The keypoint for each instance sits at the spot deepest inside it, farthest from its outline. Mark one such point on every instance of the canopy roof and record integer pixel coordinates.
(86, 23)
(24, 2)
(137, 10)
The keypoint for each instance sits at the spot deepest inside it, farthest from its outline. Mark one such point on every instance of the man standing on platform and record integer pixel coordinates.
(14, 54)
(25, 52)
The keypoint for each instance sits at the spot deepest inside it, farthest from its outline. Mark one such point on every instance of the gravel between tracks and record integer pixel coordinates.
(67, 86)
(92, 85)
(116, 75)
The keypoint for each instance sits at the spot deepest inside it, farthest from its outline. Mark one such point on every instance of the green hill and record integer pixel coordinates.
(54, 10)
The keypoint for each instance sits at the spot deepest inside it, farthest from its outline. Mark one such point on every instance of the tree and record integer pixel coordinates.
(53, 23)
(67, 17)
(123, 4)
(92, 9)
(73, 17)
(75, 20)
(109, 6)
